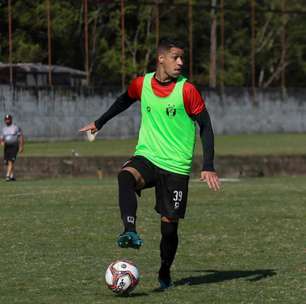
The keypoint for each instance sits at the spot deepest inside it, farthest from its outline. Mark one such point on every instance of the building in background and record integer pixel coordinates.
(36, 75)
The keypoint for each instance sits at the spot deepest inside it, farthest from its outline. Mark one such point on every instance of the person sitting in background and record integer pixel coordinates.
(12, 140)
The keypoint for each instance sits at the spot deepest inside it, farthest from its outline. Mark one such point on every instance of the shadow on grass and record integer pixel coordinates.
(216, 276)
(133, 295)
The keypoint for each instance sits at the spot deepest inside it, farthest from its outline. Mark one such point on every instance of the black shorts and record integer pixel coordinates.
(171, 189)
(10, 152)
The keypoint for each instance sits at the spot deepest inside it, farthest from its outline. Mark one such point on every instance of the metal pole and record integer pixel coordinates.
(86, 40)
(253, 49)
(222, 47)
(213, 46)
(49, 44)
(284, 47)
(190, 27)
(10, 39)
(122, 12)
(156, 23)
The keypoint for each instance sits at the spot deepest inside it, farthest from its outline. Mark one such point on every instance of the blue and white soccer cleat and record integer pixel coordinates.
(164, 279)
(164, 284)
(129, 239)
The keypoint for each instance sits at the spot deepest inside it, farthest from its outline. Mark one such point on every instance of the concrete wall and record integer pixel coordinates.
(59, 113)
(270, 113)
(227, 166)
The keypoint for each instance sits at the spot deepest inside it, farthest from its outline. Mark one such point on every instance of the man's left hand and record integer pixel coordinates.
(212, 179)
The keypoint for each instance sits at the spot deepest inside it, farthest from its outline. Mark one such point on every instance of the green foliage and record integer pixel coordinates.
(26, 51)
(30, 38)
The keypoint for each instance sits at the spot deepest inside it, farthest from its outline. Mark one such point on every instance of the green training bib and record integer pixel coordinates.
(167, 133)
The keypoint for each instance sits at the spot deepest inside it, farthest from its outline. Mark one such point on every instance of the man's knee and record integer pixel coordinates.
(167, 219)
(132, 172)
(126, 178)
(169, 227)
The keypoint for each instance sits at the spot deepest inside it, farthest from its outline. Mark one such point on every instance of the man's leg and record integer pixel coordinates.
(168, 247)
(127, 200)
(129, 180)
(171, 202)
(9, 169)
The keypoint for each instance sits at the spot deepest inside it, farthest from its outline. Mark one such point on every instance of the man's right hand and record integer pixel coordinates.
(90, 127)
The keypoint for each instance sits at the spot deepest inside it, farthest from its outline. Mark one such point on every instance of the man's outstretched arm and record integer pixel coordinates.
(121, 103)
(208, 173)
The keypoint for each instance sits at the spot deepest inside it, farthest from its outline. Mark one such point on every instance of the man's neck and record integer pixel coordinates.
(163, 79)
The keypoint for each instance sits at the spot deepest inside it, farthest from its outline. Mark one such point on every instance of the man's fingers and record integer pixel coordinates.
(92, 131)
(212, 181)
(90, 127)
(215, 183)
(85, 129)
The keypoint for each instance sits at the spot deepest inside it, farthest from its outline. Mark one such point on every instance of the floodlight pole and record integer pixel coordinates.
(122, 13)
(86, 40)
(156, 23)
(253, 49)
(190, 29)
(213, 46)
(222, 48)
(49, 44)
(10, 40)
(284, 47)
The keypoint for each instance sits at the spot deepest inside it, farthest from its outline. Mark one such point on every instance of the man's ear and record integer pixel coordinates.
(161, 58)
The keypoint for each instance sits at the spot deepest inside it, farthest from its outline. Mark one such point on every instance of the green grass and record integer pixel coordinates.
(246, 144)
(245, 244)
(261, 144)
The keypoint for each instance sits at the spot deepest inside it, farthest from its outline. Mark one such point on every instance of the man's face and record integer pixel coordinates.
(172, 62)
(8, 121)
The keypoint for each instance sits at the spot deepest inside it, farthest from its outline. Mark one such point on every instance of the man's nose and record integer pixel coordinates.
(180, 61)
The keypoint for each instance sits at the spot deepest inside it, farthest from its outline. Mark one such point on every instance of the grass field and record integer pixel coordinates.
(245, 144)
(245, 244)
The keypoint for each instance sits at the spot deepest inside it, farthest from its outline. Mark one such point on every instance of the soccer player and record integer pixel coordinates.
(170, 106)
(13, 141)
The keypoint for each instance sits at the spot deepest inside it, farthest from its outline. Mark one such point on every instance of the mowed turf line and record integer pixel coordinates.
(243, 144)
(245, 244)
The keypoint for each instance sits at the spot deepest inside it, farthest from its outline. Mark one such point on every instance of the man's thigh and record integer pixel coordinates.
(10, 152)
(171, 194)
(142, 170)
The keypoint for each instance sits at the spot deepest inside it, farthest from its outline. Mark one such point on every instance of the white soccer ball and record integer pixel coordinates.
(122, 276)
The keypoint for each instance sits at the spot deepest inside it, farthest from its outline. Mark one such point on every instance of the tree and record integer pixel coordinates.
(274, 56)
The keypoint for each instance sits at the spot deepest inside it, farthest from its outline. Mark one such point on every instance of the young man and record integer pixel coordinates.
(170, 106)
(13, 141)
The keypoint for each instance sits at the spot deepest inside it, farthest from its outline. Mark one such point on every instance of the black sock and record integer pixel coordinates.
(127, 200)
(168, 247)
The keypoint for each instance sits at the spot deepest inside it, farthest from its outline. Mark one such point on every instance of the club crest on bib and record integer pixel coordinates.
(171, 111)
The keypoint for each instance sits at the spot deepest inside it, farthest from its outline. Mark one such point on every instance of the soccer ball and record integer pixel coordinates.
(122, 276)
